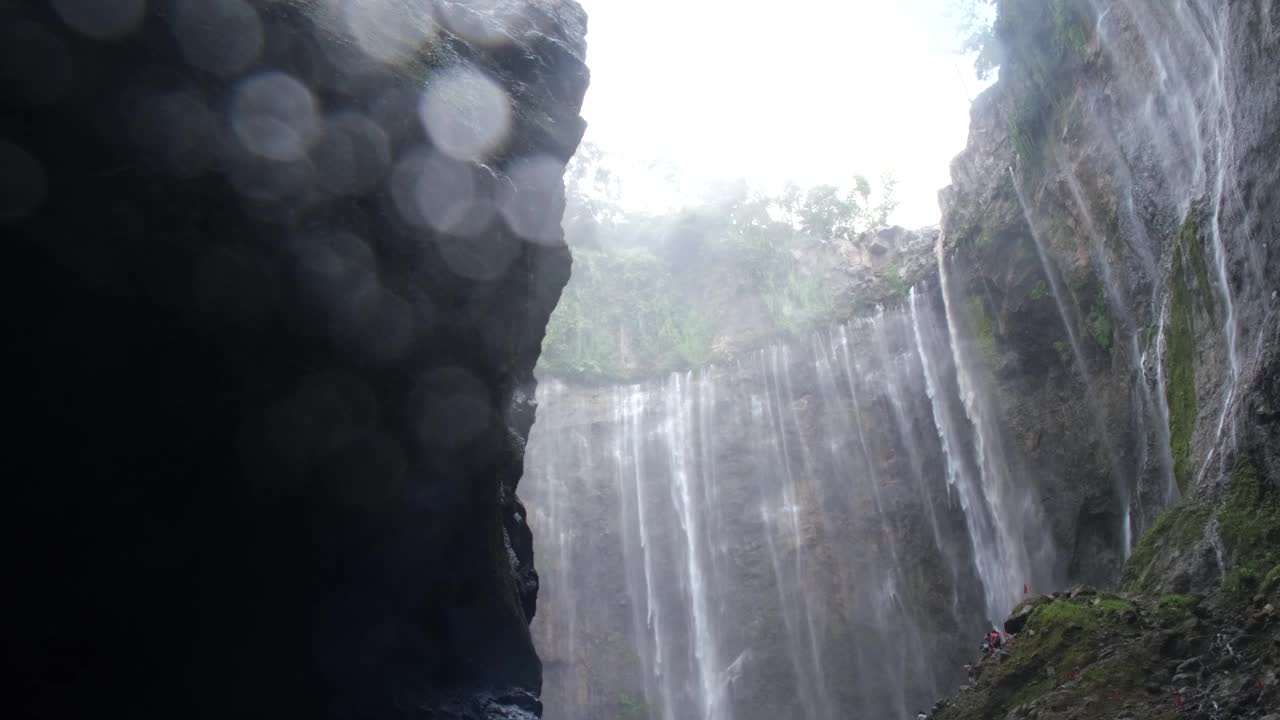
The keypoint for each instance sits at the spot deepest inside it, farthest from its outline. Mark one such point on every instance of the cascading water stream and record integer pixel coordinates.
(1116, 297)
(806, 530)
(812, 522)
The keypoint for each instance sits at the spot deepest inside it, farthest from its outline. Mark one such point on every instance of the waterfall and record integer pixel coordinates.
(1193, 131)
(808, 529)
(803, 531)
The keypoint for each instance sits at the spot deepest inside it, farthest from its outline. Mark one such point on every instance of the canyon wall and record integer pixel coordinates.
(279, 274)
(1111, 221)
(808, 529)
(744, 541)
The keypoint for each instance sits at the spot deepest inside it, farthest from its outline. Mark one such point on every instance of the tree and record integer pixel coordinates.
(977, 24)
(591, 196)
(827, 215)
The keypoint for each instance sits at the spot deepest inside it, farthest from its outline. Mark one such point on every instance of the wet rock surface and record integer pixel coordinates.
(1120, 656)
(1118, 279)
(275, 297)
(1098, 227)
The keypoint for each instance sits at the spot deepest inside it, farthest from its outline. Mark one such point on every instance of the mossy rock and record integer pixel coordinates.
(1271, 583)
(1061, 653)
(1175, 532)
(1250, 526)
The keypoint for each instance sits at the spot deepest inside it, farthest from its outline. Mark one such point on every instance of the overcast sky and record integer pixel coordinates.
(688, 93)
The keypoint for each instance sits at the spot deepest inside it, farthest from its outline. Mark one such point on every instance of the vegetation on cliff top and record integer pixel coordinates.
(651, 293)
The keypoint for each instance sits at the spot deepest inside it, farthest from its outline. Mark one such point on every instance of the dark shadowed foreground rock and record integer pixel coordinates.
(278, 274)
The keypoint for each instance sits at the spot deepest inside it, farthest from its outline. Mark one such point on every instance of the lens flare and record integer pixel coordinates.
(533, 200)
(435, 191)
(390, 30)
(483, 22)
(275, 116)
(466, 114)
(353, 154)
(101, 19)
(223, 37)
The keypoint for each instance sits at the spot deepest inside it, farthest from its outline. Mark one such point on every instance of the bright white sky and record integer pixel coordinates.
(686, 94)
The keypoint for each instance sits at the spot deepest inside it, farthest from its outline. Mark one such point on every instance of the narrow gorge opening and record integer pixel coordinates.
(793, 458)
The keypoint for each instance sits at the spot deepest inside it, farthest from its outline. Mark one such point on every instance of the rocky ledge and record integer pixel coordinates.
(1086, 654)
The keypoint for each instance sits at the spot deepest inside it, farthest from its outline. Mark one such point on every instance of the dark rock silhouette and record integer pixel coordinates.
(278, 278)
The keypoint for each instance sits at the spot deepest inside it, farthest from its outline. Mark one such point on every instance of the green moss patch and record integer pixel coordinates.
(1180, 378)
(1176, 531)
(1250, 525)
(1271, 583)
(984, 329)
(1101, 326)
(1060, 651)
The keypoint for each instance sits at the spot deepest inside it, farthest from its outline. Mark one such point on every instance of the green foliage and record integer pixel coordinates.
(1177, 602)
(1043, 43)
(1152, 332)
(1070, 29)
(983, 328)
(1250, 526)
(984, 240)
(632, 707)
(1271, 583)
(827, 214)
(796, 300)
(893, 280)
(1172, 609)
(1180, 382)
(977, 25)
(1063, 348)
(1067, 635)
(1040, 291)
(1189, 241)
(648, 294)
(1100, 324)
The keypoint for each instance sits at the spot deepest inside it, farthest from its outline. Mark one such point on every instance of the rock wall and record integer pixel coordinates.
(811, 529)
(278, 277)
(1110, 223)
(1105, 274)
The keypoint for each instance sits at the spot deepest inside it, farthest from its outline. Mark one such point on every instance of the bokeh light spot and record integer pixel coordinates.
(352, 155)
(222, 36)
(452, 407)
(434, 191)
(532, 203)
(482, 22)
(390, 30)
(465, 113)
(485, 257)
(23, 183)
(180, 129)
(275, 116)
(101, 19)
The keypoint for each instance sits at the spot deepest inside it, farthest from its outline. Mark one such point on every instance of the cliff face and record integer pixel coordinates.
(279, 275)
(815, 528)
(1095, 401)
(1109, 225)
